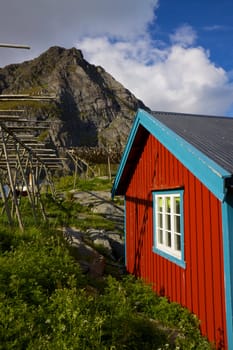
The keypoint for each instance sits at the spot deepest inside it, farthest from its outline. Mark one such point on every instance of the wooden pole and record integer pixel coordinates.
(36, 183)
(15, 46)
(25, 181)
(5, 202)
(11, 181)
(109, 168)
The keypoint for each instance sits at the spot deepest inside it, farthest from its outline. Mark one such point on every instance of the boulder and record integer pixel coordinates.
(104, 208)
(90, 260)
(117, 245)
(111, 241)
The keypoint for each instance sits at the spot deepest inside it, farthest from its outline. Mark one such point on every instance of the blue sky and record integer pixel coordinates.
(211, 19)
(175, 55)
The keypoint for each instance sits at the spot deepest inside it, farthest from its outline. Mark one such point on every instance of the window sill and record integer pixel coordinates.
(173, 259)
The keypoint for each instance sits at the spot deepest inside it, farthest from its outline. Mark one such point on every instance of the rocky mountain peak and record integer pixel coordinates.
(91, 107)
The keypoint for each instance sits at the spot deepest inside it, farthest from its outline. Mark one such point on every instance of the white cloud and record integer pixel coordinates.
(177, 79)
(216, 27)
(184, 36)
(44, 23)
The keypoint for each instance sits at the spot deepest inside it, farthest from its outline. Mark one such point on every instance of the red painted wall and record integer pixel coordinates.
(200, 286)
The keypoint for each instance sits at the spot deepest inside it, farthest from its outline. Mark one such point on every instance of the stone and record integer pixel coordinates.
(90, 260)
(117, 245)
(104, 208)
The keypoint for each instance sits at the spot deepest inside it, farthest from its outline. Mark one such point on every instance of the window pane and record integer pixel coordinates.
(177, 223)
(168, 204)
(160, 236)
(177, 205)
(168, 222)
(160, 220)
(168, 239)
(177, 242)
(159, 204)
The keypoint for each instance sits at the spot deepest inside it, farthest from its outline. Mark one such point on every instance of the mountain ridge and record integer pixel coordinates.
(91, 108)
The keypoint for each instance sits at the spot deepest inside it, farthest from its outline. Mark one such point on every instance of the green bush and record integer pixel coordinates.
(64, 183)
(125, 327)
(47, 303)
(31, 272)
(172, 325)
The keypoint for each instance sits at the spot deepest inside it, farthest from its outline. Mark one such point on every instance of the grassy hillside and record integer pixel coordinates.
(46, 302)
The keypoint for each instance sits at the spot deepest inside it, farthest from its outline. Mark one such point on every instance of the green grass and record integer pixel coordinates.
(47, 303)
(66, 183)
(95, 184)
(71, 213)
(65, 210)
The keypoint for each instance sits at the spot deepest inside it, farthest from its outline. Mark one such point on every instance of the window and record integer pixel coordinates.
(168, 225)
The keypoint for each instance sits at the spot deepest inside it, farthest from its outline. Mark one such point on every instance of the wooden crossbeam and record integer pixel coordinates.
(32, 144)
(24, 97)
(44, 149)
(12, 110)
(2, 96)
(14, 46)
(26, 137)
(23, 127)
(12, 117)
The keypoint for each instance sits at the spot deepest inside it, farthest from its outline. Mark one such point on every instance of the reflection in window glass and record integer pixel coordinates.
(177, 242)
(160, 238)
(168, 239)
(177, 223)
(168, 204)
(160, 204)
(177, 205)
(168, 222)
(160, 220)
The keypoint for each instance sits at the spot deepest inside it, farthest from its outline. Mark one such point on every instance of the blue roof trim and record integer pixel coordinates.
(126, 153)
(227, 223)
(206, 170)
(125, 232)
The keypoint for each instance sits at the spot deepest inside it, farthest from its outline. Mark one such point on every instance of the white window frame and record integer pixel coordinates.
(168, 225)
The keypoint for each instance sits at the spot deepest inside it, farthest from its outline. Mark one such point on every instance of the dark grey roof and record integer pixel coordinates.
(211, 135)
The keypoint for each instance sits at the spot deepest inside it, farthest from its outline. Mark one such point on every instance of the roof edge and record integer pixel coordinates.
(205, 169)
(125, 155)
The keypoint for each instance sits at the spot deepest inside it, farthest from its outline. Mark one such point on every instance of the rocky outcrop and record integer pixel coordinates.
(85, 248)
(90, 109)
(89, 259)
(94, 248)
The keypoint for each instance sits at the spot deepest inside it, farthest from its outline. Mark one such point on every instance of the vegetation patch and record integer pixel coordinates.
(46, 302)
(92, 184)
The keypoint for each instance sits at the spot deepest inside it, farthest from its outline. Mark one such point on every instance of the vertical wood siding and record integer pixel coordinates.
(200, 286)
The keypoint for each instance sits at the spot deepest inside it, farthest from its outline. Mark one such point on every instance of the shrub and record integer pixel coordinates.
(45, 300)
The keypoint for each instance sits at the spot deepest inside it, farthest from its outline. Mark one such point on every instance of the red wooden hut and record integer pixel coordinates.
(176, 174)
